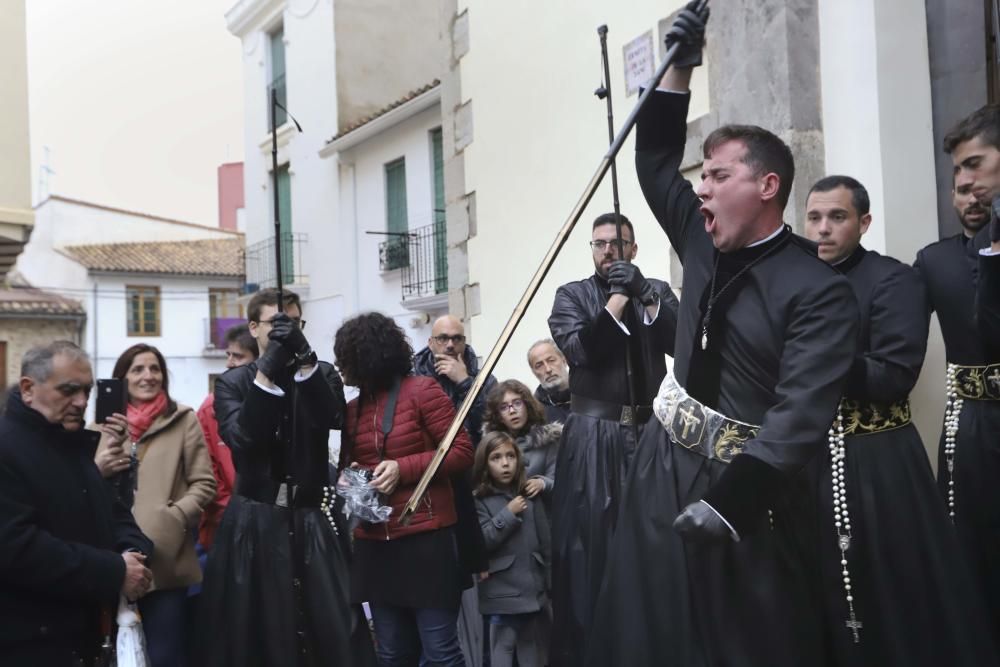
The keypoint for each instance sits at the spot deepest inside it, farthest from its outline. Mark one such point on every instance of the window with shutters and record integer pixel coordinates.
(397, 247)
(276, 42)
(440, 235)
(143, 304)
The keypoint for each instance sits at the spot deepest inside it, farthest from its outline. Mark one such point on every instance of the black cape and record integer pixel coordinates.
(950, 272)
(594, 453)
(893, 502)
(268, 599)
(780, 346)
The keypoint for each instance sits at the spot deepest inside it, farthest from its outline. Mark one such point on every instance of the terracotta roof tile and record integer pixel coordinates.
(213, 257)
(384, 110)
(31, 301)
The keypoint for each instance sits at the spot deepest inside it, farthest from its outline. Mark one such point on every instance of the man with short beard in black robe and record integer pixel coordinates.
(889, 502)
(715, 560)
(596, 322)
(962, 286)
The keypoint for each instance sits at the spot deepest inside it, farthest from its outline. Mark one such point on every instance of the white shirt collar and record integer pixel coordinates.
(774, 234)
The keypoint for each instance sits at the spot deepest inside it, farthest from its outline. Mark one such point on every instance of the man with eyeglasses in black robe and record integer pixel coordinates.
(596, 322)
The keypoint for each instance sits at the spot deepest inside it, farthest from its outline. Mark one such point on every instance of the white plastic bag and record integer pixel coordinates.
(131, 645)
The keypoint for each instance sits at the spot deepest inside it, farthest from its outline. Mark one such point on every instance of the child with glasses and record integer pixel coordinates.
(514, 598)
(511, 408)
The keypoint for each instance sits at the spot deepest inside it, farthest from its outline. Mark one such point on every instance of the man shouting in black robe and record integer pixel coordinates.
(596, 322)
(715, 561)
(962, 287)
(889, 502)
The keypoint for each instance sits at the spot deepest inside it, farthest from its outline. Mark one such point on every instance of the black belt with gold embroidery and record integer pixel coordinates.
(861, 418)
(978, 383)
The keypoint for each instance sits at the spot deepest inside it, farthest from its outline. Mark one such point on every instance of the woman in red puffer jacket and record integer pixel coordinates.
(410, 575)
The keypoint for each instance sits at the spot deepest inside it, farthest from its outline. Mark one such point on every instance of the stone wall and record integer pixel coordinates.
(763, 65)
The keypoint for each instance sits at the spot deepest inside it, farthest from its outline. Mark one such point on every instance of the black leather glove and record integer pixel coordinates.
(289, 334)
(700, 523)
(276, 360)
(995, 220)
(688, 30)
(628, 277)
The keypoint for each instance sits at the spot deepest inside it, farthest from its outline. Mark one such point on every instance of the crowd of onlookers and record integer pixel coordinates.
(465, 581)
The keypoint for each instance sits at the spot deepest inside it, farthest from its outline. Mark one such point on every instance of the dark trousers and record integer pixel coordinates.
(407, 637)
(163, 622)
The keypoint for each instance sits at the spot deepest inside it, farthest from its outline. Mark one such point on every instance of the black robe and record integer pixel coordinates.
(892, 500)
(594, 453)
(271, 598)
(988, 296)
(780, 346)
(950, 272)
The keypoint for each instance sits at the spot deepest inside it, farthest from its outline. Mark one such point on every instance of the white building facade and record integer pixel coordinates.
(358, 211)
(178, 292)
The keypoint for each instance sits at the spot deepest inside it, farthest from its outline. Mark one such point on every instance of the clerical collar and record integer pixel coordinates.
(758, 248)
(848, 263)
(773, 234)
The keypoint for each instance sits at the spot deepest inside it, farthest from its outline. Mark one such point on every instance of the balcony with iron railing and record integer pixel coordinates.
(260, 262)
(421, 255)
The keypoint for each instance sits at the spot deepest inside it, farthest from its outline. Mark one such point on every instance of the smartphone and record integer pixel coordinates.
(110, 398)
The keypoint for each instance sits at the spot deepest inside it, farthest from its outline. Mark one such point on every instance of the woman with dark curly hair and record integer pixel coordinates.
(410, 575)
(511, 408)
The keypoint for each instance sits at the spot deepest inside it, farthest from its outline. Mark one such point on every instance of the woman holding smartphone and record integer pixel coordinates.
(156, 457)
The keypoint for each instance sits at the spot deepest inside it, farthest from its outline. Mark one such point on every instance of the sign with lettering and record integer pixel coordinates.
(639, 66)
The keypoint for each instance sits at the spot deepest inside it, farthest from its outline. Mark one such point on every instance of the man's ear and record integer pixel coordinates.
(27, 387)
(769, 186)
(866, 220)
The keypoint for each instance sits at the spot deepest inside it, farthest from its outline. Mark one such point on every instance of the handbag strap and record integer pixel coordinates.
(390, 408)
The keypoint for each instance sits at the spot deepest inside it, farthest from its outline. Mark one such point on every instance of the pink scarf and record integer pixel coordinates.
(141, 416)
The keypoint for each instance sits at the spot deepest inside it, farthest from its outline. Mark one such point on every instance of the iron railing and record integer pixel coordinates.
(426, 271)
(395, 252)
(261, 272)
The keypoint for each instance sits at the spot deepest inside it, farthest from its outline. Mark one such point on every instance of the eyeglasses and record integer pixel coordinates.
(601, 246)
(444, 338)
(297, 321)
(514, 405)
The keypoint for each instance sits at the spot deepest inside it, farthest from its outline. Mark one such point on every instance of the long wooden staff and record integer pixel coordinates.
(604, 93)
(536, 282)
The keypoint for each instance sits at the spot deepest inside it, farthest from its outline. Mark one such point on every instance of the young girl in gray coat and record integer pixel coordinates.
(515, 595)
(511, 408)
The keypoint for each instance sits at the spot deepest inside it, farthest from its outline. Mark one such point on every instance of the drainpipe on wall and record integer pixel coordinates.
(96, 358)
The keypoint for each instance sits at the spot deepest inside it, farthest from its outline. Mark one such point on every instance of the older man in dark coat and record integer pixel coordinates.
(69, 549)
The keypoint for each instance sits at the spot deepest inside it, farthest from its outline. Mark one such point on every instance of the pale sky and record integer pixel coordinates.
(138, 101)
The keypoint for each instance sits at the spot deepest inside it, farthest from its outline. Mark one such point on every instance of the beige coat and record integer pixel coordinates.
(175, 485)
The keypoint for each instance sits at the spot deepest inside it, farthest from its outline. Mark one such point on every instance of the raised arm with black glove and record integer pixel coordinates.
(286, 347)
(629, 280)
(688, 30)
